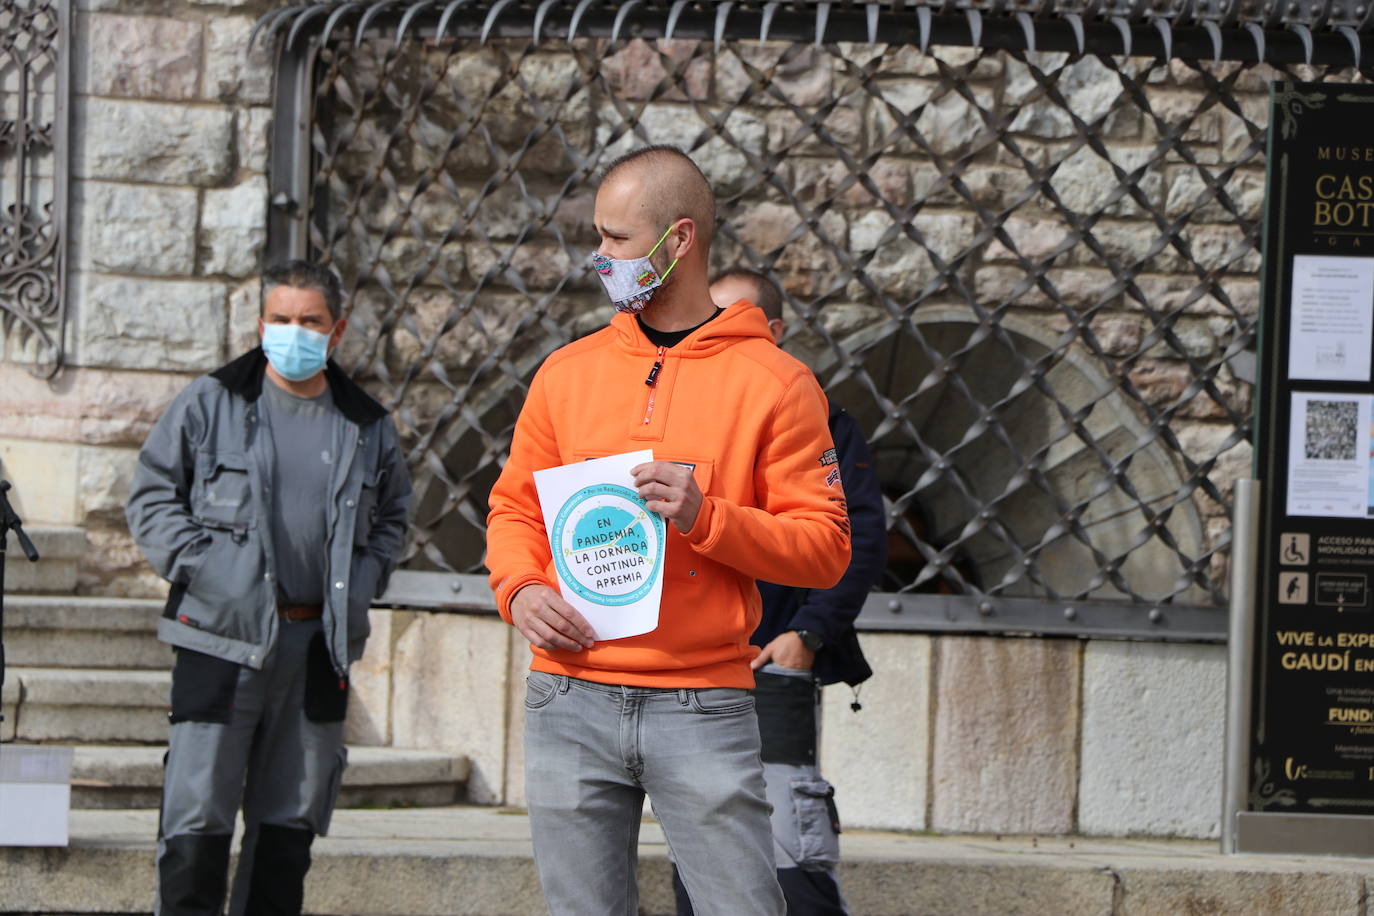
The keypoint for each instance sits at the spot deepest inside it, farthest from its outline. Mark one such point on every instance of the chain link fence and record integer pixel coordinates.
(1031, 276)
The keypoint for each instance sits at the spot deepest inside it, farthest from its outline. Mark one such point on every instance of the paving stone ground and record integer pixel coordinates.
(476, 860)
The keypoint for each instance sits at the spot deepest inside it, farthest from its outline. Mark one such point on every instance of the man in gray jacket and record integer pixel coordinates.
(273, 496)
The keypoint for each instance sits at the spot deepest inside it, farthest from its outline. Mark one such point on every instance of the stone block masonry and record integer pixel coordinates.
(956, 734)
(168, 210)
(169, 205)
(167, 227)
(897, 196)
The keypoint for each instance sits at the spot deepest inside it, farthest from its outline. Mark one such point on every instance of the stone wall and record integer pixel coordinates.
(166, 229)
(168, 209)
(464, 273)
(957, 734)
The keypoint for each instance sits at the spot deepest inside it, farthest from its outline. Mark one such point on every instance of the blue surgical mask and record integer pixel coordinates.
(631, 282)
(295, 352)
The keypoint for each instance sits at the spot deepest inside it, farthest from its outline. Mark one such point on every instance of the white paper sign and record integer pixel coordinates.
(607, 547)
(1333, 318)
(1328, 455)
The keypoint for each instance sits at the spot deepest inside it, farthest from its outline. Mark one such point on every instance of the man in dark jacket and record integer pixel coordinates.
(808, 640)
(272, 495)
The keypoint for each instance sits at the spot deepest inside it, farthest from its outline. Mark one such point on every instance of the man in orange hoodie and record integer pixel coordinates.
(739, 438)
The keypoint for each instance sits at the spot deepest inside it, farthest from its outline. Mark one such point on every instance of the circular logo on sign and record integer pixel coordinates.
(607, 545)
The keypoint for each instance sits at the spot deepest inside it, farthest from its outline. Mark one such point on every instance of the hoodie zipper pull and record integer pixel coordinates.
(652, 382)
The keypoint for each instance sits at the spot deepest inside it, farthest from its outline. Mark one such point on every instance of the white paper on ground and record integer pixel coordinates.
(35, 794)
(607, 547)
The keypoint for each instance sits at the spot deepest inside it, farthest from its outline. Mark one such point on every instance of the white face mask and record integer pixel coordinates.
(631, 282)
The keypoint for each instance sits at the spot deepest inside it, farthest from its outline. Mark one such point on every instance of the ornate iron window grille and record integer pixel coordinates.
(34, 91)
(1014, 255)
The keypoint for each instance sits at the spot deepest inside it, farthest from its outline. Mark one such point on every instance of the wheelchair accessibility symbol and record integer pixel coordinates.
(1295, 549)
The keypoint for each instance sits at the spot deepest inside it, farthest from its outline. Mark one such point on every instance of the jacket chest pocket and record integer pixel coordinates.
(223, 493)
(368, 499)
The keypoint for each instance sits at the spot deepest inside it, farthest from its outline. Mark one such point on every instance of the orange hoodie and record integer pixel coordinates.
(751, 419)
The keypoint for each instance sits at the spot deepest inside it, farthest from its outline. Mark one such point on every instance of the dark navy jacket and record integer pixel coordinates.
(830, 612)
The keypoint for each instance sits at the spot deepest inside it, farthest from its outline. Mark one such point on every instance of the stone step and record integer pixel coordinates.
(111, 777)
(85, 705)
(68, 631)
(59, 554)
(463, 860)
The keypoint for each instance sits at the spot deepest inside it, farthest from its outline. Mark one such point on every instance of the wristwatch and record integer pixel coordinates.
(812, 641)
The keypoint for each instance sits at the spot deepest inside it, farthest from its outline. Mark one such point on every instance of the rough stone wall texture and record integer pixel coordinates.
(895, 195)
(166, 229)
(955, 734)
(1154, 729)
(1001, 764)
(480, 272)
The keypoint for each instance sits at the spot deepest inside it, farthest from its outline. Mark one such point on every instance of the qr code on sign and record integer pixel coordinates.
(1332, 430)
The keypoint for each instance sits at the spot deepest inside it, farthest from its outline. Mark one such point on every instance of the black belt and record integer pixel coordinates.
(298, 612)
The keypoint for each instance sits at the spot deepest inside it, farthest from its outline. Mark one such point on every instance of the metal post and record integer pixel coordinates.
(1240, 652)
(292, 114)
(62, 152)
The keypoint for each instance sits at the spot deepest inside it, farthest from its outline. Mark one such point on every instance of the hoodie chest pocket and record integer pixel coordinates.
(223, 494)
(700, 467)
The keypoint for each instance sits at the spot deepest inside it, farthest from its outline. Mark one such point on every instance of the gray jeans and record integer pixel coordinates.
(592, 752)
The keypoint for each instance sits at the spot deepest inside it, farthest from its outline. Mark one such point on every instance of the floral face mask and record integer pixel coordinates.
(631, 282)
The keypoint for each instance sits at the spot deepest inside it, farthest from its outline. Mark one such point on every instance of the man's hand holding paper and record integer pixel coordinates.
(607, 549)
(549, 622)
(669, 489)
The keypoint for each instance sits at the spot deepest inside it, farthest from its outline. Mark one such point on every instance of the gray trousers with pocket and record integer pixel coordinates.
(805, 822)
(592, 753)
(271, 739)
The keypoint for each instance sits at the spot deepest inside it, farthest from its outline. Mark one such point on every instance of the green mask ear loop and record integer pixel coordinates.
(655, 248)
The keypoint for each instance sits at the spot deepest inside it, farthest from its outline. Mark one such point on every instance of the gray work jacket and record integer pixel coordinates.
(199, 509)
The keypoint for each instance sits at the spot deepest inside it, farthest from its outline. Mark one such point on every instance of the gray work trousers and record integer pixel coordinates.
(593, 751)
(804, 822)
(271, 738)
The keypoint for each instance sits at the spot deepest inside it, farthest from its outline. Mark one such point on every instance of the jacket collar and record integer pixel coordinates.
(244, 377)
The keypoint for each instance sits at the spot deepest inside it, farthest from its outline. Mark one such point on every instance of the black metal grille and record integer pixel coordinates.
(33, 181)
(1031, 276)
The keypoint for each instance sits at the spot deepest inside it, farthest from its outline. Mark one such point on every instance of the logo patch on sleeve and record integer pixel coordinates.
(829, 457)
(833, 477)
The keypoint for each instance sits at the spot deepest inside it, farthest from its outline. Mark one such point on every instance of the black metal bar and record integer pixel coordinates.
(292, 113)
(903, 613)
(1280, 46)
(9, 521)
(1143, 612)
(61, 174)
(971, 614)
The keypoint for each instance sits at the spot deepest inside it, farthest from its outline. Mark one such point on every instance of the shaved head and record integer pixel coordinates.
(671, 187)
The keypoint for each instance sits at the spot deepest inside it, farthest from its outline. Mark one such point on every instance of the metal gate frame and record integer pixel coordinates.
(33, 238)
(1202, 32)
